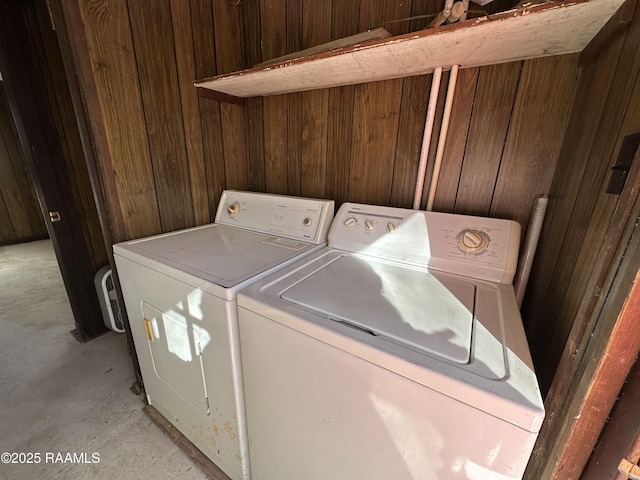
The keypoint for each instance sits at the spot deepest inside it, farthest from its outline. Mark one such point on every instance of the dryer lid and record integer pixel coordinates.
(431, 313)
(225, 256)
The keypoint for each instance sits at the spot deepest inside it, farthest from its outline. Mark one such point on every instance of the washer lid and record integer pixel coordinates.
(222, 255)
(432, 313)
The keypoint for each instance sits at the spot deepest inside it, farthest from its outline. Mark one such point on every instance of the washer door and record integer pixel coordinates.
(431, 313)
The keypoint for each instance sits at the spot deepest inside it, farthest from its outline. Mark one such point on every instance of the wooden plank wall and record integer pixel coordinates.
(565, 284)
(20, 216)
(166, 155)
(170, 154)
(607, 108)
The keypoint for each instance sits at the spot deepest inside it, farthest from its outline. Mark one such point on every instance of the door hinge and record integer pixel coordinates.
(631, 470)
(55, 216)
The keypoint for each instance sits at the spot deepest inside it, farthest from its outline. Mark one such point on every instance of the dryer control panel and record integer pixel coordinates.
(478, 247)
(298, 218)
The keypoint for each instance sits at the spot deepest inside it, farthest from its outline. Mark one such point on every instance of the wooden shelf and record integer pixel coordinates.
(536, 31)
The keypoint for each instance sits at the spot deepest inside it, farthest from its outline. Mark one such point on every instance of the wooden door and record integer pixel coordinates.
(25, 81)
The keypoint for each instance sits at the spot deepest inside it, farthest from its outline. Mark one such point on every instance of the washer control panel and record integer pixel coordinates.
(479, 247)
(298, 218)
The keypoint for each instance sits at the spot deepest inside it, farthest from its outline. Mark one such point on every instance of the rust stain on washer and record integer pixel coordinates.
(203, 435)
(229, 429)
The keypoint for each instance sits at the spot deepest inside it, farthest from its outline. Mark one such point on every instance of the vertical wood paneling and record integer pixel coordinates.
(315, 104)
(255, 108)
(456, 143)
(566, 185)
(294, 144)
(574, 184)
(540, 116)
(578, 227)
(235, 147)
(255, 140)
(631, 119)
(315, 143)
(340, 133)
(611, 242)
(294, 108)
(494, 98)
(274, 41)
(344, 23)
(393, 16)
(415, 98)
(376, 118)
(595, 211)
(110, 46)
(20, 217)
(205, 59)
(273, 14)
(229, 58)
(275, 153)
(7, 233)
(376, 114)
(413, 111)
(13, 216)
(185, 61)
(76, 47)
(155, 58)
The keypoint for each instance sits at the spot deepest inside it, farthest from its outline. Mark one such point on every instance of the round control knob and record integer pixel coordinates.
(350, 222)
(368, 225)
(307, 222)
(473, 241)
(391, 228)
(233, 209)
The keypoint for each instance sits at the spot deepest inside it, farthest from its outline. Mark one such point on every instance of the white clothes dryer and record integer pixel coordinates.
(180, 294)
(396, 352)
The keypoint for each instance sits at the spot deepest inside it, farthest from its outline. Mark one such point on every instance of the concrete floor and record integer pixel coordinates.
(58, 396)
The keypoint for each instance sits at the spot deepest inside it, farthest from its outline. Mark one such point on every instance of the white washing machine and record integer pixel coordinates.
(180, 294)
(396, 352)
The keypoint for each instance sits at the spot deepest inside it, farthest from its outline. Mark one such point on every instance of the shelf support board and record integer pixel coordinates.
(220, 96)
(541, 30)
